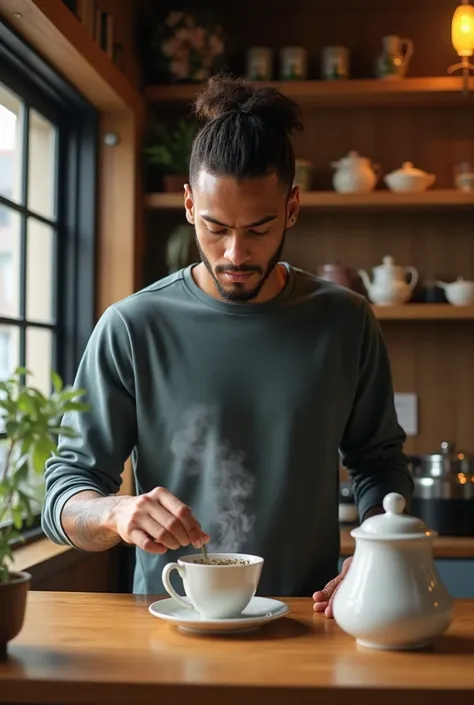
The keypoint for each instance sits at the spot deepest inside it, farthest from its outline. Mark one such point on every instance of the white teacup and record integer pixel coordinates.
(216, 591)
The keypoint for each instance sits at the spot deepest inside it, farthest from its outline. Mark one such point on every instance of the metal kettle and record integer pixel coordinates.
(444, 490)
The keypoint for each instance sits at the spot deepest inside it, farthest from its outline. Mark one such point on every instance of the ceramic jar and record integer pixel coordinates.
(293, 64)
(259, 64)
(335, 63)
(409, 179)
(392, 596)
(355, 174)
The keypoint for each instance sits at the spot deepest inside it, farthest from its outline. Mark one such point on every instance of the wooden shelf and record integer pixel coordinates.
(432, 91)
(52, 29)
(383, 199)
(424, 312)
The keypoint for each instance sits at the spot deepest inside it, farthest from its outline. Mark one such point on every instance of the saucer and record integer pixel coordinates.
(258, 612)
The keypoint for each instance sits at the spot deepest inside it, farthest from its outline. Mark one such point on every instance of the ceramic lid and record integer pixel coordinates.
(393, 525)
(408, 168)
(387, 263)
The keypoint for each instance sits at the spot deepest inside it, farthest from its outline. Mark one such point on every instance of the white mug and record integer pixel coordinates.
(215, 591)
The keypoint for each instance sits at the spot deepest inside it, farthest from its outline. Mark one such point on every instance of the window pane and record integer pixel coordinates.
(42, 166)
(10, 144)
(39, 353)
(9, 350)
(10, 254)
(39, 272)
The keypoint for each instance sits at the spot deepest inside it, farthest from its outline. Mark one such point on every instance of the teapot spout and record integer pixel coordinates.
(365, 279)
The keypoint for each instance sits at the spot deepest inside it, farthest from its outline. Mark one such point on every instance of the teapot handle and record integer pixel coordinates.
(413, 276)
(377, 170)
(409, 47)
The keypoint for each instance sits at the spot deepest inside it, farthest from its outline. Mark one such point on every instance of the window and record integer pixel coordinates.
(47, 217)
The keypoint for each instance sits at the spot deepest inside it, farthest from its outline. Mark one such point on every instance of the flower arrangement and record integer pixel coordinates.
(190, 48)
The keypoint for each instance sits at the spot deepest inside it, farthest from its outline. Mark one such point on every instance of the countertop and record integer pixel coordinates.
(87, 648)
(443, 546)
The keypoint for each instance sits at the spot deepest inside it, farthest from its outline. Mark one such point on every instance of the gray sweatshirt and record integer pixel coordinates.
(243, 412)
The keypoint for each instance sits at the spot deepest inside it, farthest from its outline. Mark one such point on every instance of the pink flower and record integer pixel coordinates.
(197, 38)
(180, 68)
(216, 45)
(169, 46)
(173, 18)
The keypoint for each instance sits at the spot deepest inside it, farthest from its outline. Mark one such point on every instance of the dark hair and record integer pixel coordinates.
(246, 132)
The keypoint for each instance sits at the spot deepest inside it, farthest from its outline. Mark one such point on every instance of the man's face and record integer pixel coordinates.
(240, 230)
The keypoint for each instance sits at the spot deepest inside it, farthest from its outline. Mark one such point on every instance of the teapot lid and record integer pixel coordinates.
(408, 168)
(393, 524)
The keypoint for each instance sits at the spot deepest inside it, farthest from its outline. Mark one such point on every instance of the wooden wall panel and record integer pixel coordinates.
(434, 359)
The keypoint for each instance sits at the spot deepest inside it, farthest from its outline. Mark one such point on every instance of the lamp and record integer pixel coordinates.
(462, 37)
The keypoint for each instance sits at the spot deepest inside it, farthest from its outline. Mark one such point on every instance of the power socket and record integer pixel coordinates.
(406, 406)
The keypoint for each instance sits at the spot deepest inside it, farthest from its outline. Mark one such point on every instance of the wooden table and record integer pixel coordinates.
(78, 648)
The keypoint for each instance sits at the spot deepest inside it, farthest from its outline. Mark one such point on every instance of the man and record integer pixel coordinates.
(234, 383)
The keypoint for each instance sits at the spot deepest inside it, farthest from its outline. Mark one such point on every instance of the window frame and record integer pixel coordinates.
(26, 73)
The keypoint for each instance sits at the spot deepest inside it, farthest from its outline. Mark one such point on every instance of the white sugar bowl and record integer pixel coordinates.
(392, 596)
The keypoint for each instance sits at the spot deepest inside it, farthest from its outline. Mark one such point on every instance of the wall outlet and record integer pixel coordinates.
(407, 412)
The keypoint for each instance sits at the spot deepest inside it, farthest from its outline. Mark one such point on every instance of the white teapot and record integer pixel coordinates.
(389, 286)
(392, 596)
(355, 174)
(409, 179)
(459, 293)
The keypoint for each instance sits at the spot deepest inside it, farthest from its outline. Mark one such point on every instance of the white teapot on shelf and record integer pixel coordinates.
(355, 174)
(459, 293)
(392, 596)
(408, 179)
(389, 286)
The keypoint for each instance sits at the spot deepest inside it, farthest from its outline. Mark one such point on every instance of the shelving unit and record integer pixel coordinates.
(382, 199)
(424, 312)
(427, 120)
(423, 92)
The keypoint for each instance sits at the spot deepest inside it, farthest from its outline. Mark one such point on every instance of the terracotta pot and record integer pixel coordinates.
(337, 273)
(12, 608)
(174, 183)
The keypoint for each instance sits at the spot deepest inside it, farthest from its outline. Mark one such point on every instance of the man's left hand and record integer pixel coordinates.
(324, 598)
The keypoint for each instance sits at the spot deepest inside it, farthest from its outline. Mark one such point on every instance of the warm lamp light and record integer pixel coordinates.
(462, 37)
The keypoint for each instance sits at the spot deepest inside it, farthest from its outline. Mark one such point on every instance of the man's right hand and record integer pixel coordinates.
(156, 522)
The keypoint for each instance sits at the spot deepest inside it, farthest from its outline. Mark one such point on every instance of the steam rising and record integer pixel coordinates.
(223, 478)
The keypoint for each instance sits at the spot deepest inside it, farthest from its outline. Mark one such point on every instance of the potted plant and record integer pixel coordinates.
(171, 150)
(31, 422)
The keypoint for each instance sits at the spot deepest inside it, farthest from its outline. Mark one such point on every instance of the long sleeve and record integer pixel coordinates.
(372, 446)
(95, 460)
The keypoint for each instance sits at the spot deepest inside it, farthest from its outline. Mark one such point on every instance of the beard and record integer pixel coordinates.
(237, 292)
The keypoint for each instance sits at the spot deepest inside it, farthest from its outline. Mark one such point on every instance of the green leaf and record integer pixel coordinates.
(17, 516)
(42, 450)
(72, 394)
(11, 427)
(26, 505)
(76, 406)
(66, 431)
(57, 382)
(21, 475)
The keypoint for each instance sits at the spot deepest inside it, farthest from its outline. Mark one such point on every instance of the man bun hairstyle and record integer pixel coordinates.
(246, 132)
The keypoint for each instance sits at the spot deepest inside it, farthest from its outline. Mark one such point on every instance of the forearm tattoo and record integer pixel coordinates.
(83, 520)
